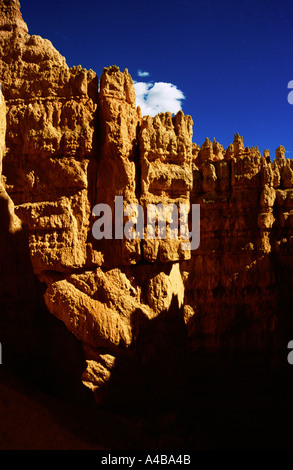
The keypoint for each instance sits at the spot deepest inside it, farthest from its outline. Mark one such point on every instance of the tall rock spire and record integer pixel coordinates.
(10, 16)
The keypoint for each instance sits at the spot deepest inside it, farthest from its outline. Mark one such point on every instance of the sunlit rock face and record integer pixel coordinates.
(70, 145)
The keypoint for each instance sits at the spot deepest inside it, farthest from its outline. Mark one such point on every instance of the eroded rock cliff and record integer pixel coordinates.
(143, 302)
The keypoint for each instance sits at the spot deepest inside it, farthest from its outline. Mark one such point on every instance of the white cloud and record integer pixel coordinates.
(158, 97)
(142, 73)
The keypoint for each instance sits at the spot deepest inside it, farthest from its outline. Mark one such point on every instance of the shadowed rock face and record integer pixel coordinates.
(69, 147)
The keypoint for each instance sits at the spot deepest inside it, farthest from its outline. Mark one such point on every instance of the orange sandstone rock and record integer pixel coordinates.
(70, 147)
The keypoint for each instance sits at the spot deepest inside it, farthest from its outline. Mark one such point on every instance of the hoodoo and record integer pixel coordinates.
(150, 317)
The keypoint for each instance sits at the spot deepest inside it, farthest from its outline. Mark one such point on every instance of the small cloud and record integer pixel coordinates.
(158, 97)
(142, 73)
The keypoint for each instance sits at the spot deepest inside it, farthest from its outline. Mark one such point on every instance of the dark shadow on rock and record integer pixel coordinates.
(42, 365)
(149, 382)
(180, 407)
(157, 397)
(36, 347)
(150, 376)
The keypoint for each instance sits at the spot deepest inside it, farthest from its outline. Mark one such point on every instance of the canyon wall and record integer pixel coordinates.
(71, 145)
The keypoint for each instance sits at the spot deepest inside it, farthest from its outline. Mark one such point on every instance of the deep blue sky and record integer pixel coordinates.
(232, 59)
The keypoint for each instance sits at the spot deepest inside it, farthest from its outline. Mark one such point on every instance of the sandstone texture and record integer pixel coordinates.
(70, 145)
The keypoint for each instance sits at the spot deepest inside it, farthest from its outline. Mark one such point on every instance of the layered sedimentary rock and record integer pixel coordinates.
(165, 149)
(242, 237)
(116, 175)
(50, 133)
(69, 147)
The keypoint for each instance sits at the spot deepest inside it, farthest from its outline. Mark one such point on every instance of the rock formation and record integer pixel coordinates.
(70, 146)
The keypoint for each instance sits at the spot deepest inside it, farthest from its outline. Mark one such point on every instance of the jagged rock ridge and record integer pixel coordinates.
(69, 147)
